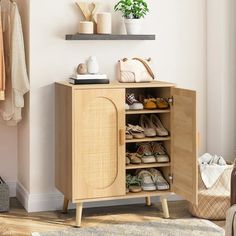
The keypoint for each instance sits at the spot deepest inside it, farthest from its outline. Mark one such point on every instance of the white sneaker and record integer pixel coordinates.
(161, 183)
(133, 103)
(126, 106)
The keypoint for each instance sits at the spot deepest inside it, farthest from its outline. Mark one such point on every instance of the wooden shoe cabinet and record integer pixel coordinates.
(91, 145)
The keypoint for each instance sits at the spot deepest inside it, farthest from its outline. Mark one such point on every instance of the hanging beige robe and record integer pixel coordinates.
(17, 79)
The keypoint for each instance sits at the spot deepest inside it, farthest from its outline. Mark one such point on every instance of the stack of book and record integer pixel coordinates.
(89, 79)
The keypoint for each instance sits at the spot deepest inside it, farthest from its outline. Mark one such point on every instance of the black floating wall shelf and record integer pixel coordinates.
(110, 37)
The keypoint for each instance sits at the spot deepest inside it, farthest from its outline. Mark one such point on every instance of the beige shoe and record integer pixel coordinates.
(136, 131)
(146, 124)
(159, 152)
(128, 135)
(127, 160)
(156, 123)
(134, 159)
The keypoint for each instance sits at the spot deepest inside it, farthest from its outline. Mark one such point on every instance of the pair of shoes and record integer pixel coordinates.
(132, 103)
(152, 179)
(134, 131)
(133, 183)
(151, 103)
(152, 126)
(152, 153)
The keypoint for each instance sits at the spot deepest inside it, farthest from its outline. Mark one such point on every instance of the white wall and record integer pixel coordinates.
(221, 72)
(23, 137)
(179, 56)
(178, 53)
(8, 153)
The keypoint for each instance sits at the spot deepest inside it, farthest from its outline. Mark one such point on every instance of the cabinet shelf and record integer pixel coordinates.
(148, 140)
(110, 37)
(148, 194)
(136, 112)
(142, 166)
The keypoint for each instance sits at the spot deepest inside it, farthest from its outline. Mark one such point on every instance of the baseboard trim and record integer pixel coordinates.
(22, 195)
(54, 201)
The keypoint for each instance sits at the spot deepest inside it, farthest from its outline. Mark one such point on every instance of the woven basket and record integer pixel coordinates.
(214, 202)
(4, 196)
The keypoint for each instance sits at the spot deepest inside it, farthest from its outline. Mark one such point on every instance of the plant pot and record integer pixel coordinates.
(133, 26)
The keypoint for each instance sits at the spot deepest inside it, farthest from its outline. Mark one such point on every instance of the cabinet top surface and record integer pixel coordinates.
(116, 84)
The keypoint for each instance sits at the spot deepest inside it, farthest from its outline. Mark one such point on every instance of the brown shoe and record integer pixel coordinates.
(162, 103)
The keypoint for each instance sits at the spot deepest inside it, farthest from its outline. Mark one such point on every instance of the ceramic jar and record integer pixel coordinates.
(86, 27)
(104, 23)
(92, 65)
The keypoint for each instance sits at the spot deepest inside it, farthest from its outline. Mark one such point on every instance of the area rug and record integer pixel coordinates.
(162, 227)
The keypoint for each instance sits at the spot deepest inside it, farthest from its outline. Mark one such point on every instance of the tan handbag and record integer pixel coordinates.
(135, 70)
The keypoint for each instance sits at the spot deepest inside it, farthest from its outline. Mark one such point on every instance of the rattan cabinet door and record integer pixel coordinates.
(99, 149)
(184, 144)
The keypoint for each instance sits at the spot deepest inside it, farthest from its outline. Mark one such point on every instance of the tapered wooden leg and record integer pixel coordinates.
(165, 207)
(148, 201)
(65, 206)
(79, 209)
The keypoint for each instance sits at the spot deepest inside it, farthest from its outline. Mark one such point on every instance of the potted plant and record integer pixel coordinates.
(132, 11)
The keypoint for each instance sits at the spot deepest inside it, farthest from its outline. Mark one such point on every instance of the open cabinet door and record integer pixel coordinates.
(184, 147)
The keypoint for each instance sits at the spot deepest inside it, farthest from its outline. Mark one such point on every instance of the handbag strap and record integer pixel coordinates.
(148, 68)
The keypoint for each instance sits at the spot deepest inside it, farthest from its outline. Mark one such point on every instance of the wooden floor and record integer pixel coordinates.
(18, 222)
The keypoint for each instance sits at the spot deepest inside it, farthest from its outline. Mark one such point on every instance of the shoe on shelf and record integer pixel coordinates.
(134, 159)
(144, 152)
(136, 131)
(128, 135)
(147, 126)
(148, 103)
(156, 123)
(159, 180)
(127, 160)
(126, 106)
(133, 184)
(147, 182)
(160, 153)
(133, 103)
(162, 103)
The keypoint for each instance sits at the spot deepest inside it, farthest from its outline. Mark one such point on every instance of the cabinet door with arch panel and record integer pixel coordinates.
(99, 143)
(184, 144)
